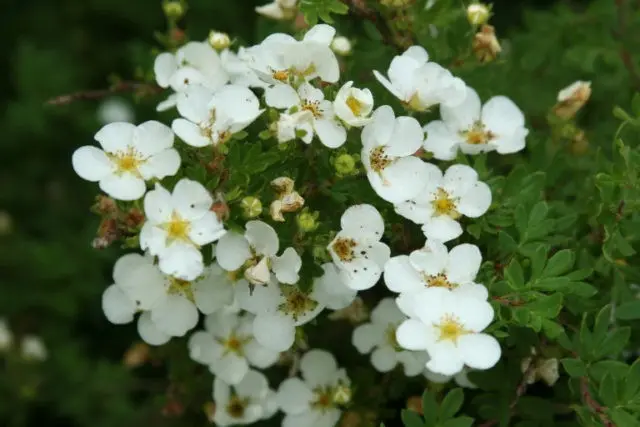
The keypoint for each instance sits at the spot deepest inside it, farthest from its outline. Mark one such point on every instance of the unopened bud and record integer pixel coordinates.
(342, 394)
(258, 274)
(478, 13)
(219, 41)
(283, 184)
(341, 45)
(173, 9)
(251, 206)
(571, 99)
(307, 221)
(345, 164)
(486, 45)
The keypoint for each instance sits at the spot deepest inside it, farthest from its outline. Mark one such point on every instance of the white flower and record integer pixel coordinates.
(420, 84)
(449, 326)
(177, 225)
(6, 336)
(279, 309)
(478, 13)
(356, 250)
(341, 45)
(228, 346)
(308, 98)
(172, 303)
(33, 348)
(379, 339)
(290, 126)
(240, 73)
(194, 63)
(388, 144)
(330, 291)
(212, 118)
(432, 266)
(353, 105)
(576, 91)
(278, 9)
(461, 378)
(256, 250)
(281, 58)
(498, 125)
(311, 401)
(130, 156)
(115, 110)
(243, 403)
(446, 198)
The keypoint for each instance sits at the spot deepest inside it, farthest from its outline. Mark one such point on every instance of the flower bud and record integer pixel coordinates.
(283, 184)
(478, 13)
(537, 368)
(32, 348)
(173, 9)
(342, 394)
(307, 221)
(345, 164)
(275, 210)
(258, 274)
(486, 45)
(571, 99)
(219, 41)
(341, 45)
(251, 206)
(136, 355)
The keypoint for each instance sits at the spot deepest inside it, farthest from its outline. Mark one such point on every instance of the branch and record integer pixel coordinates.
(593, 404)
(121, 87)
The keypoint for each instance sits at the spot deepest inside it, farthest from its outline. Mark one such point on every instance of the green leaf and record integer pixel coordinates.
(622, 418)
(620, 114)
(574, 367)
(617, 369)
(559, 263)
(371, 30)
(459, 422)
(411, 419)
(451, 404)
(429, 408)
(632, 383)
(506, 243)
(538, 261)
(551, 329)
(601, 326)
(547, 306)
(614, 343)
(635, 104)
(629, 310)
(538, 214)
(521, 219)
(514, 274)
(314, 9)
(607, 390)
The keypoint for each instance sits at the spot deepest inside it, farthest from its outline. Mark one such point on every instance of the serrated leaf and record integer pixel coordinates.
(559, 263)
(574, 367)
(629, 310)
(451, 404)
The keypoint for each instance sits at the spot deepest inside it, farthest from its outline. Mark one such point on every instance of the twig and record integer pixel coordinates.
(593, 404)
(121, 87)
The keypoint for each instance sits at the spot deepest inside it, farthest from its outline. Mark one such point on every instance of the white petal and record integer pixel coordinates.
(406, 304)
(126, 264)
(263, 299)
(182, 261)
(260, 356)
(363, 221)
(406, 139)
(417, 53)
(163, 164)
(149, 332)
(442, 228)
(476, 201)
(413, 362)
(115, 136)
(472, 290)
(361, 274)
(281, 96)
(412, 335)
(123, 187)
(153, 238)
(501, 115)
(378, 132)
(232, 251)
(230, 368)
(175, 316)
(441, 141)
(274, 331)
(238, 103)
(212, 293)
(366, 337)
(384, 359)
(152, 137)
(294, 396)
(254, 385)
(388, 85)
(287, 266)
(464, 263)
(320, 33)
(330, 132)
(168, 103)
(387, 312)
(190, 133)
(329, 290)
(475, 314)
(145, 285)
(459, 179)
(117, 306)
(479, 351)
(206, 229)
(164, 67)
(191, 199)
(318, 368)
(401, 181)
(157, 205)
(262, 238)
(91, 163)
(269, 405)
(305, 419)
(445, 361)
(432, 259)
(413, 211)
(202, 348)
(463, 115)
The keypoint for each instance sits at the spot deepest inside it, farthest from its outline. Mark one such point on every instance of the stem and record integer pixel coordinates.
(121, 87)
(593, 404)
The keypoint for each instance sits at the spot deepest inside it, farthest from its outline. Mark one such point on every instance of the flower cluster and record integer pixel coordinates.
(256, 294)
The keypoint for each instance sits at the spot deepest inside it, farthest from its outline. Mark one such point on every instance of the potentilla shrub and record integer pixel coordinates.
(376, 236)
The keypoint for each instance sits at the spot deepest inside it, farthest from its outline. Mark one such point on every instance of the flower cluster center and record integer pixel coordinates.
(177, 228)
(235, 344)
(313, 107)
(237, 406)
(477, 134)
(378, 159)
(296, 303)
(180, 287)
(128, 161)
(450, 329)
(343, 247)
(444, 204)
(439, 280)
(354, 105)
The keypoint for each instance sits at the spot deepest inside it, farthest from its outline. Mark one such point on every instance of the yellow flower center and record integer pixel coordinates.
(390, 336)
(296, 302)
(439, 280)
(236, 407)
(128, 161)
(343, 247)
(477, 134)
(354, 105)
(378, 159)
(323, 399)
(177, 229)
(444, 204)
(313, 107)
(415, 103)
(234, 344)
(281, 75)
(450, 329)
(180, 287)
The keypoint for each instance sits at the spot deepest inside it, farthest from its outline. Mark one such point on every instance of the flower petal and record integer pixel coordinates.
(91, 163)
(175, 316)
(212, 293)
(331, 133)
(502, 116)
(190, 199)
(412, 335)
(318, 368)
(445, 361)
(231, 368)
(254, 385)
(262, 238)
(118, 308)
(442, 228)
(294, 396)
(441, 141)
(387, 312)
(464, 263)
(384, 359)
(476, 201)
(463, 115)
(363, 221)
(115, 136)
(157, 205)
(149, 332)
(183, 261)
(206, 229)
(190, 133)
(274, 331)
(287, 266)
(163, 164)
(232, 251)
(202, 348)
(152, 137)
(126, 264)
(400, 276)
(320, 33)
(432, 259)
(145, 285)
(406, 138)
(402, 180)
(366, 337)
(479, 351)
(164, 67)
(125, 187)
(281, 96)
(260, 356)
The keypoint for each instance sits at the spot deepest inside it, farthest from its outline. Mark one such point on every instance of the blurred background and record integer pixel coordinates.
(51, 277)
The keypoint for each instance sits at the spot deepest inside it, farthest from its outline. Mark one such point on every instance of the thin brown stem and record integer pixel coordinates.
(90, 95)
(593, 404)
